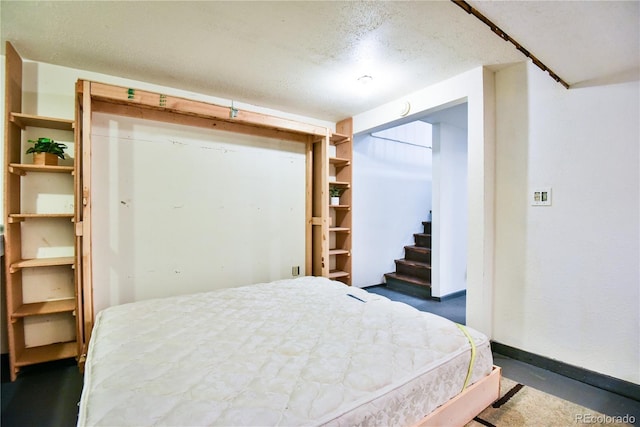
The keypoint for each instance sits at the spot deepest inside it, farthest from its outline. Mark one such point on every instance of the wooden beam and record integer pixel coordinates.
(12, 154)
(79, 229)
(157, 101)
(308, 257)
(85, 199)
(141, 112)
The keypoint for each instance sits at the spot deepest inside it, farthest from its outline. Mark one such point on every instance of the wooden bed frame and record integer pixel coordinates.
(94, 97)
(129, 102)
(466, 405)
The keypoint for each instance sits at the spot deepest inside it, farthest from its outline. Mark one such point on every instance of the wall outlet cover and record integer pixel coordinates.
(541, 196)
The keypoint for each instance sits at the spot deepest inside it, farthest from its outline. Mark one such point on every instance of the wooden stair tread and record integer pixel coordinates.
(417, 248)
(414, 263)
(410, 279)
(422, 234)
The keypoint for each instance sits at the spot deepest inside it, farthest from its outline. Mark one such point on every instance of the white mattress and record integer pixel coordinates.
(296, 352)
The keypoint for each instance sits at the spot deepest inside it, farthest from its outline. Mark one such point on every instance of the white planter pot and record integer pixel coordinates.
(335, 201)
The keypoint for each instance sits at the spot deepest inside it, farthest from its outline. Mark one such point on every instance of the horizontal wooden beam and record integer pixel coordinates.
(141, 112)
(152, 101)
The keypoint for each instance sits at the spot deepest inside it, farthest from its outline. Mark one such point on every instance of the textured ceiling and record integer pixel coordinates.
(305, 57)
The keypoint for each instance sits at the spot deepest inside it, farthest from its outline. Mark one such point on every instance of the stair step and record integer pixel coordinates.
(422, 239)
(417, 253)
(392, 279)
(417, 269)
(427, 227)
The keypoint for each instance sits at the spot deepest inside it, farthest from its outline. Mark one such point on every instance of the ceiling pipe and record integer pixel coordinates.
(469, 9)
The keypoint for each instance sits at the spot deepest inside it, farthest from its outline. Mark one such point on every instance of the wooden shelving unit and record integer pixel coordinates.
(31, 346)
(340, 164)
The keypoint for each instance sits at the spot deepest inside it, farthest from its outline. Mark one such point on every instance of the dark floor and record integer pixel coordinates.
(47, 395)
(452, 309)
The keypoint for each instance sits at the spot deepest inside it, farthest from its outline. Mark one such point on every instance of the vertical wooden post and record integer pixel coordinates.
(308, 257)
(12, 233)
(87, 272)
(77, 218)
(320, 207)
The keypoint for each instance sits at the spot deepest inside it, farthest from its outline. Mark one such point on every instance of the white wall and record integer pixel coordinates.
(450, 210)
(392, 197)
(49, 90)
(181, 210)
(568, 276)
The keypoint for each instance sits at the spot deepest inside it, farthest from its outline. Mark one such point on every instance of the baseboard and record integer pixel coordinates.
(605, 382)
(451, 295)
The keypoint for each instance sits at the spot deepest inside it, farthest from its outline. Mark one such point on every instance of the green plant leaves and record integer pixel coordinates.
(335, 191)
(47, 145)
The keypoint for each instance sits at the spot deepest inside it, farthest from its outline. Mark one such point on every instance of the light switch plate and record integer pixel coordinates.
(541, 196)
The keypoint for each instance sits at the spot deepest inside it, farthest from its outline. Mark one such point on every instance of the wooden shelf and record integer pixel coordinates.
(342, 184)
(337, 139)
(339, 161)
(338, 252)
(335, 274)
(340, 229)
(23, 168)
(347, 207)
(46, 307)
(21, 217)
(45, 353)
(20, 127)
(24, 120)
(41, 262)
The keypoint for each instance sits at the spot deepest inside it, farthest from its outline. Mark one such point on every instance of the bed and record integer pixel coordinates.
(300, 352)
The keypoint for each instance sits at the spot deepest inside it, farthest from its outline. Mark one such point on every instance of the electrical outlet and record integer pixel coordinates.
(295, 270)
(541, 196)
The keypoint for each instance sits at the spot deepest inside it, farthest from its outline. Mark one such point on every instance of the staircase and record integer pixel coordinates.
(413, 272)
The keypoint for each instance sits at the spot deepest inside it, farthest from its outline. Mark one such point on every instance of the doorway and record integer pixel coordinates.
(402, 172)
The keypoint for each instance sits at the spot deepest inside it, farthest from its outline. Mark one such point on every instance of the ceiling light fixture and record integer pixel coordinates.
(365, 79)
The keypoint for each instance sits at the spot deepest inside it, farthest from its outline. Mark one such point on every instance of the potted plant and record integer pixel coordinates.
(46, 151)
(334, 193)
